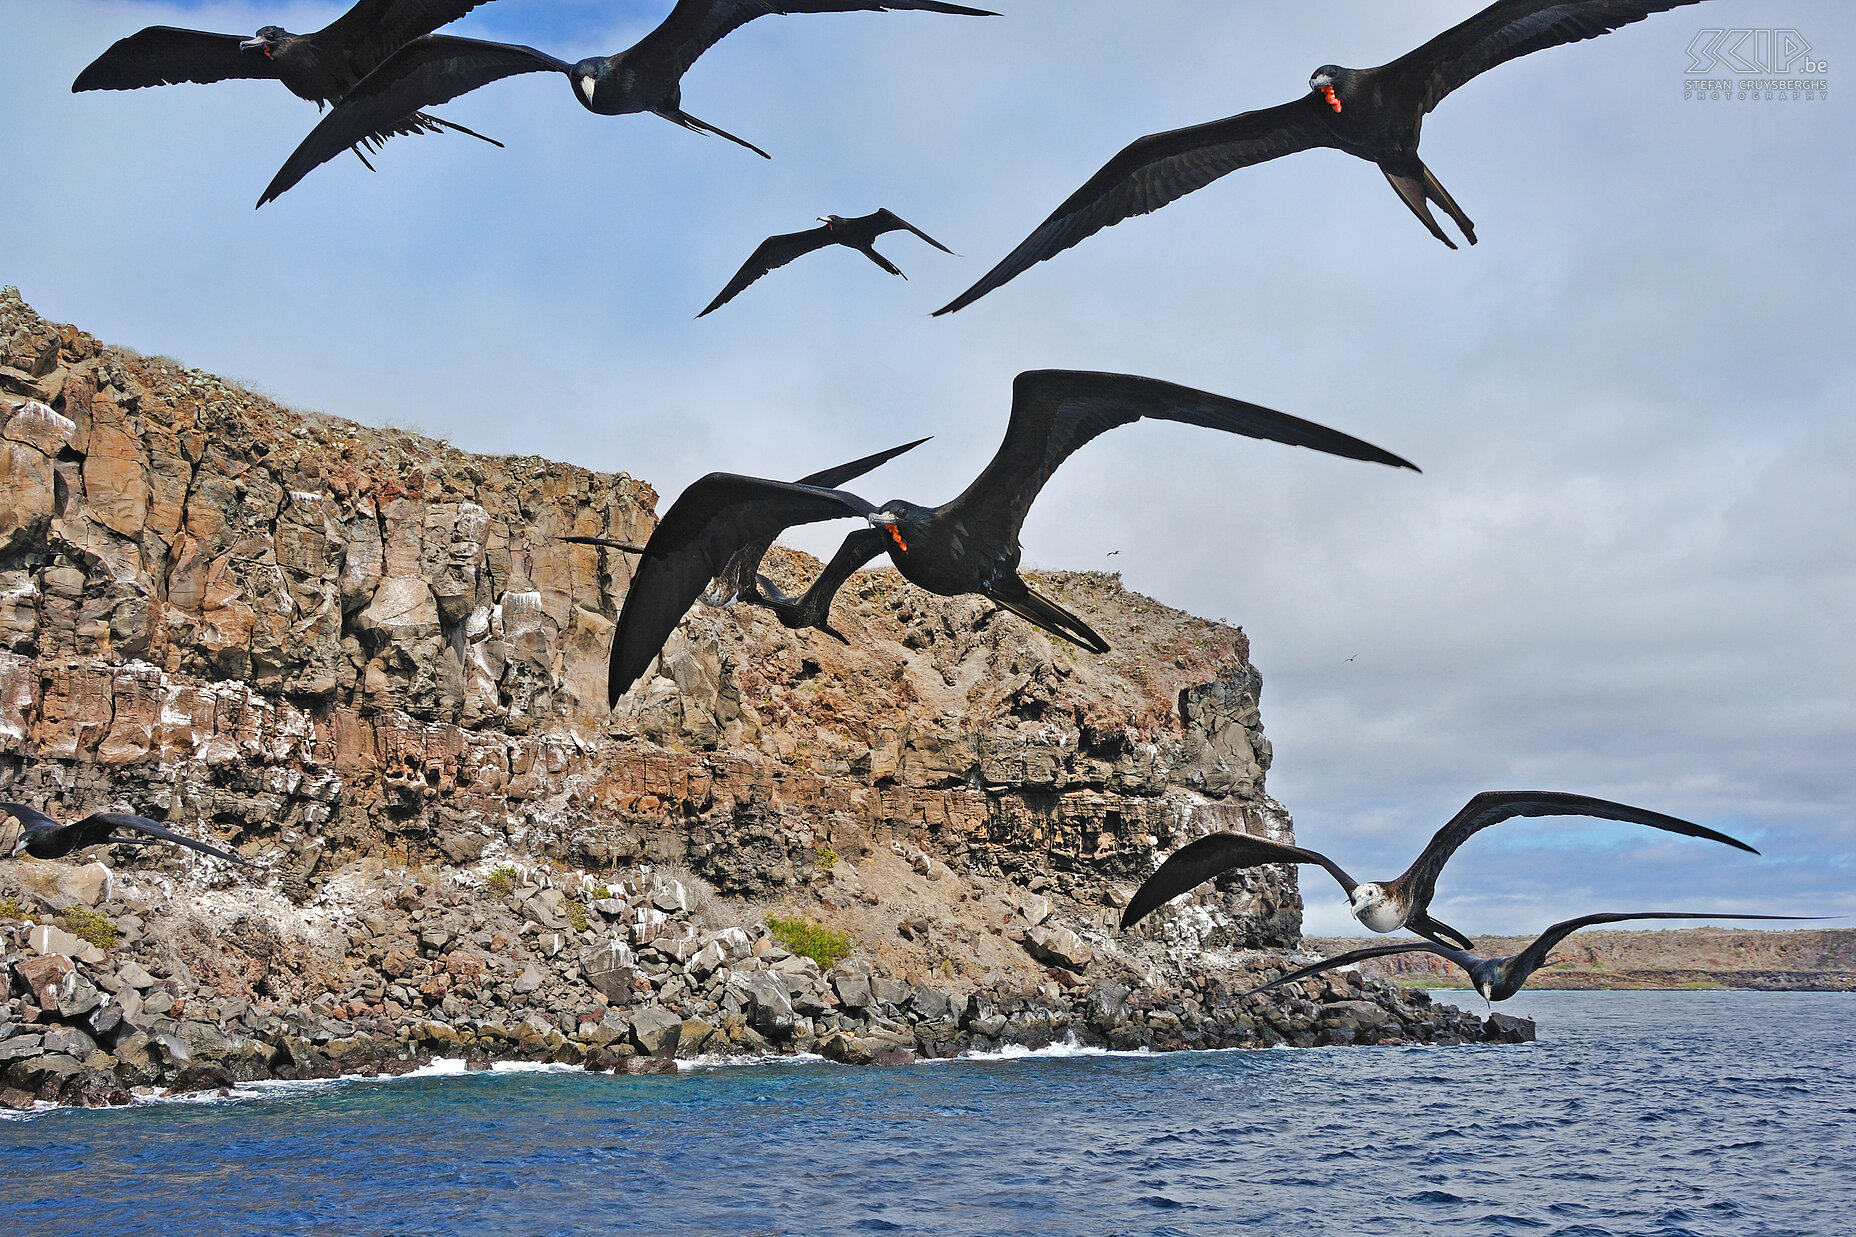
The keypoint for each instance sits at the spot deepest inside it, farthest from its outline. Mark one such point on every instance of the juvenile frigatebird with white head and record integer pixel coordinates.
(1404, 901)
(967, 545)
(1496, 979)
(646, 77)
(858, 233)
(1372, 114)
(44, 838)
(321, 67)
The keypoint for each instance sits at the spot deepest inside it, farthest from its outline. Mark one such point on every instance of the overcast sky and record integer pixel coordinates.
(1629, 568)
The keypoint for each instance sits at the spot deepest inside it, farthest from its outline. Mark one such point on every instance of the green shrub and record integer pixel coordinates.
(810, 940)
(601, 893)
(10, 908)
(826, 859)
(501, 881)
(576, 915)
(88, 925)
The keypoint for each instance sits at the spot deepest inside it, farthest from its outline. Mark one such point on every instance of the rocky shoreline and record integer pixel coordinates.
(499, 972)
(365, 662)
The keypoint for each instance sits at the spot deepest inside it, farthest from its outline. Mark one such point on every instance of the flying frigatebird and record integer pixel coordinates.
(321, 67)
(859, 233)
(1374, 114)
(739, 578)
(44, 838)
(1403, 902)
(646, 77)
(1496, 979)
(968, 545)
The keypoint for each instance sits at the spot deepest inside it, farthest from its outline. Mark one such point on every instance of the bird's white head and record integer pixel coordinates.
(1372, 907)
(586, 77)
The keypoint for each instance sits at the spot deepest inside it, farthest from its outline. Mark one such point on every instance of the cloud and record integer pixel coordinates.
(1628, 568)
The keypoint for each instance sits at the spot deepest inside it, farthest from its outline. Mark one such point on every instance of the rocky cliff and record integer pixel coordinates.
(364, 660)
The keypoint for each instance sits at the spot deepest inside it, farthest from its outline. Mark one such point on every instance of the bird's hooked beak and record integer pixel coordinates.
(257, 45)
(887, 522)
(829, 225)
(588, 84)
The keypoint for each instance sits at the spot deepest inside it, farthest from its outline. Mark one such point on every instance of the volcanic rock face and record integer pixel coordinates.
(364, 660)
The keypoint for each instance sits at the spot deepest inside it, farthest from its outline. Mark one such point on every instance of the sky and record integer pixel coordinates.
(1627, 570)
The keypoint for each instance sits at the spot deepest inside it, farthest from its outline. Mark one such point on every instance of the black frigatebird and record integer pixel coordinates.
(1374, 114)
(1404, 902)
(859, 233)
(646, 77)
(968, 545)
(1497, 979)
(740, 578)
(321, 67)
(44, 838)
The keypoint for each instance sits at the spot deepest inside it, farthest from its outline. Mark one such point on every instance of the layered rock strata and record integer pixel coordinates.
(364, 660)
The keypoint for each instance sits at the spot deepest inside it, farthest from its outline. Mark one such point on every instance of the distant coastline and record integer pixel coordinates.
(1806, 960)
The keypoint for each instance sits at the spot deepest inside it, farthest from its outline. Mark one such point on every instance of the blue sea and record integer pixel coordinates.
(1668, 1113)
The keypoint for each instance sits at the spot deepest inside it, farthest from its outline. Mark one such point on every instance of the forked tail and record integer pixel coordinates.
(1035, 608)
(699, 126)
(1416, 191)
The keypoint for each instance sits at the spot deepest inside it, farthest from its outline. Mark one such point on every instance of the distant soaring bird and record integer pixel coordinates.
(739, 578)
(321, 67)
(859, 234)
(1374, 114)
(44, 838)
(1496, 979)
(968, 545)
(1404, 902)
(646, 77)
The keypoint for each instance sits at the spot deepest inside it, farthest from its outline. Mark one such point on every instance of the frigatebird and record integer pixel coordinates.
(1403, 902)
(740, 578)
(1374, 114)
(1497, 979)
(321, 67)
(859, 233)
(968, 545)
(44, 838)
(646, 77)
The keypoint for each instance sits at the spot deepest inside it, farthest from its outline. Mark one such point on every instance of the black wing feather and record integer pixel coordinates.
(1506, 31)
(711, 522)
(431, 71)
(167, 56)
(772, 253)
(1057, 411)
(695, 26)
(1360, 955)
(373, 30)
(1491, 807)
(889, 221)
(1197, 862)
(1534, 956)
(1155, 170)
(98, 827)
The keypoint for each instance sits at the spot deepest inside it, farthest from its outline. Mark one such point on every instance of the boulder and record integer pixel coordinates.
(656, 1031)
(45, 939)
(1058, 947)
(853, 990)
(68, 1040)
(133, 975)
(201, 1078)
(529, 980)
(1508, 1029)
(610, 968)
(769, 1009)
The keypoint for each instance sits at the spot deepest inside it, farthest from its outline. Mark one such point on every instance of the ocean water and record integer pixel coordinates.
(1667, 1113)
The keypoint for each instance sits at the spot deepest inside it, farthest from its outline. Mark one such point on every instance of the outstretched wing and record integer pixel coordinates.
(1502, 32)
(695, 26)
(813, 607)
(167, 55)
(28, 817)
(1155, 170)
(1360, 955)
(775, 251)
(1491, 807)
(1057, 411)
(1197, 862)
(102, 824)
(889, 221)
(1534, 956)
(387, 101)
(374, 29)
(711, 522)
